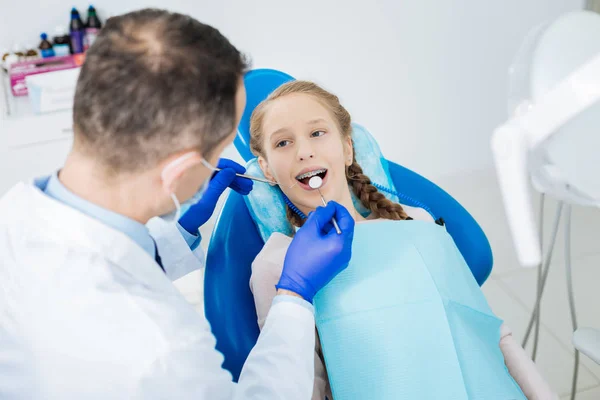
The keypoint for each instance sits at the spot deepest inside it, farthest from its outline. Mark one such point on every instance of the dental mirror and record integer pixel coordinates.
(315, 183)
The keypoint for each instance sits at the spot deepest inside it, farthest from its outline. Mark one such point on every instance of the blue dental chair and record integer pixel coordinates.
(235, 242)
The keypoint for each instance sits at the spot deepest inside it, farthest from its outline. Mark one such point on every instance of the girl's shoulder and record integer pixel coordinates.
(275, 248)
(417, 213)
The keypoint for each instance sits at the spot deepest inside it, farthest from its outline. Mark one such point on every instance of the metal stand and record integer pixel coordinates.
(543, 270)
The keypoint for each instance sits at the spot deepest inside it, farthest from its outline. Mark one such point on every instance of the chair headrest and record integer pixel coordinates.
(259, 84)
(266, 203)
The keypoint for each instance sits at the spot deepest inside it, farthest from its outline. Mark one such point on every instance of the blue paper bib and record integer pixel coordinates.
(407, 320)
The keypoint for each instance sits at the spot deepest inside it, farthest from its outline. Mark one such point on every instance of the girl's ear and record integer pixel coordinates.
(264, 166)
(349, 151)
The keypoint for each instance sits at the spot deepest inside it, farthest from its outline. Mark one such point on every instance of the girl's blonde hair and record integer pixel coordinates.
(361, 185)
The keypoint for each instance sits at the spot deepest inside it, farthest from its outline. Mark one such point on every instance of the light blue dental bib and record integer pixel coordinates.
(407, 320)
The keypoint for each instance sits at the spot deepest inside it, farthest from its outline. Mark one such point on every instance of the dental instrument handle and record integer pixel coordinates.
(254, 178)
(335, 224)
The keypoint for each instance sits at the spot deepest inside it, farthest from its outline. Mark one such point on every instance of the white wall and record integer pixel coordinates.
(427, 77)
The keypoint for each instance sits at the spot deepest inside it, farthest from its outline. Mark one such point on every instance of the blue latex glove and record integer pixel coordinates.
(317, 253)
(200, 212)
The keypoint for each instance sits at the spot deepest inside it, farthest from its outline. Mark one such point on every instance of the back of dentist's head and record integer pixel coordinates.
(370, 197)
(153, 84)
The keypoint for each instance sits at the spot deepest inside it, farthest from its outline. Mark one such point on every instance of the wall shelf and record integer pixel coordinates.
(20, 126)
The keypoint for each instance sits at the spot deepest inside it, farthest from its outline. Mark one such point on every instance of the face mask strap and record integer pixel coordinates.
(177, 206)
(174, 168)
(208, 165)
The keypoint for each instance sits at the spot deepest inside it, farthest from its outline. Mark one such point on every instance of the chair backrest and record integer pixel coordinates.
(235, 242)
(259, 84)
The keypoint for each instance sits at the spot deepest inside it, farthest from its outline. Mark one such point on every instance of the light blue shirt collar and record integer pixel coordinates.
(136, 231)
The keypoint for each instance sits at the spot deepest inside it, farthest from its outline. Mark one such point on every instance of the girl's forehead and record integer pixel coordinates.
(294, 110)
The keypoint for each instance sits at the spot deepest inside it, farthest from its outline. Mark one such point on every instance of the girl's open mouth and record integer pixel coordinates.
(305, 177)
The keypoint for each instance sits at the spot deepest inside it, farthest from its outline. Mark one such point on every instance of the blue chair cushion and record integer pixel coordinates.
(259, 84)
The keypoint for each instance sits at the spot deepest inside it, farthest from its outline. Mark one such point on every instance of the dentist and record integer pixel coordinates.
(87, 307)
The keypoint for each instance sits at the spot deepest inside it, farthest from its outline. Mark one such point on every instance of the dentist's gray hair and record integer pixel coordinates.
(155, 83)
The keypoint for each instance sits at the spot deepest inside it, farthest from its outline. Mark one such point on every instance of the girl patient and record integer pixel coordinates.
(300, 131)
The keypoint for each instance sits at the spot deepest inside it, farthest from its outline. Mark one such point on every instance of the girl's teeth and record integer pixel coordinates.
(310, 174)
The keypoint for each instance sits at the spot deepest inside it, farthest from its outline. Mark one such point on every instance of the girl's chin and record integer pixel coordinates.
(307, 206)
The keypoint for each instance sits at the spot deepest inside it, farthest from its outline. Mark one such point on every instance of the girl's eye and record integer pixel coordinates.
(317, 134)
(282, 143)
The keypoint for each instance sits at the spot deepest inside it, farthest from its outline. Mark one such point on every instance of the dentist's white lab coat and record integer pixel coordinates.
(85, 313)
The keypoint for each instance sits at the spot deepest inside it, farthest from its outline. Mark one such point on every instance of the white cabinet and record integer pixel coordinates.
(33, 145)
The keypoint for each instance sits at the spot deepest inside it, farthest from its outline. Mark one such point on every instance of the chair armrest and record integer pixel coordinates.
(466, 232)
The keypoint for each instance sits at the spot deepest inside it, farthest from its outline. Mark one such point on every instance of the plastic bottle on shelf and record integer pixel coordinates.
(45, 46)
(61, 42)
(77, 32)
(10, 59)
(4, 53)
(18, 51)
(31, 53)
(92, 27)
